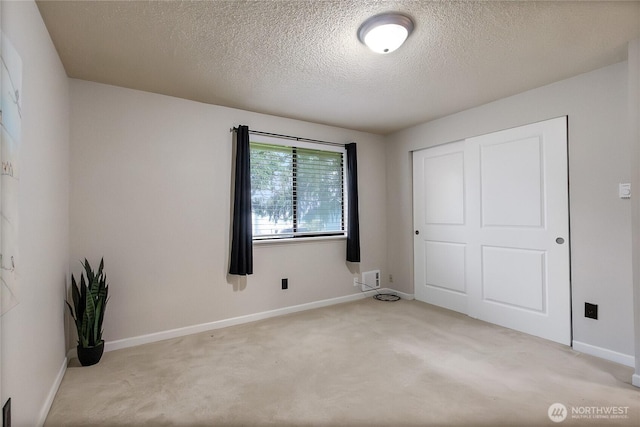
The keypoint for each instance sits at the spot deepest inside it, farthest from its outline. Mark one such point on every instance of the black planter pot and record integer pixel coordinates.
(90, 355)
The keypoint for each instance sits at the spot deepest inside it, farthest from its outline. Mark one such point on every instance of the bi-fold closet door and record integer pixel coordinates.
(491, 224)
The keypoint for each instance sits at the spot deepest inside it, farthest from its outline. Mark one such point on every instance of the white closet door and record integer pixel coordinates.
(508, 225)
(520, 236)
(440, 226)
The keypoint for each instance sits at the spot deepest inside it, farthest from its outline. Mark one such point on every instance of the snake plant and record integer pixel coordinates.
(89, 300)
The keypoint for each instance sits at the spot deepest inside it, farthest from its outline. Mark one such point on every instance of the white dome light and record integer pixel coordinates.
(385, 33)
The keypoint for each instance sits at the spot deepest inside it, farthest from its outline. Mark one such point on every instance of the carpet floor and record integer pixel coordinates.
(365, 363)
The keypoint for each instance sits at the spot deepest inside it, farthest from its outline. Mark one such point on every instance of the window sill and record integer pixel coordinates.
(290, 240)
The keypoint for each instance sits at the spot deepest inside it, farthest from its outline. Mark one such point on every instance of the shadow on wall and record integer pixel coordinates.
(65, 296)
(354, 267)
(239, 283)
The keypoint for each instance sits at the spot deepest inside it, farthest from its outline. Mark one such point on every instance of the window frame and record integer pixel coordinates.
(298, 236)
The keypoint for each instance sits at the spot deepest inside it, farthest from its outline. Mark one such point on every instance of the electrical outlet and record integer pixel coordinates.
(285, 283)
(591, 310)
(355, 282)
(391, 278)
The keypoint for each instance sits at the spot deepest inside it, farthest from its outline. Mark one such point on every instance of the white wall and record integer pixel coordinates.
(33, 343)
(599, 151)
(2, 399)
(634, 140)
(150, 191)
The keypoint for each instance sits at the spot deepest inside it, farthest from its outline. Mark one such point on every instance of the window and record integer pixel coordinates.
(296, 191)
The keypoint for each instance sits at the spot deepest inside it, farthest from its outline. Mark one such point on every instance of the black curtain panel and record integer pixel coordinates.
(242, 238)
(353, 223)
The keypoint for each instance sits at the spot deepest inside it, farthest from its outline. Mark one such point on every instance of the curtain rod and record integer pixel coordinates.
(294, 138)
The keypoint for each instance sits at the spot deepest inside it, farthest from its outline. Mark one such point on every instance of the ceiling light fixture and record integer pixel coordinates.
(386, 32)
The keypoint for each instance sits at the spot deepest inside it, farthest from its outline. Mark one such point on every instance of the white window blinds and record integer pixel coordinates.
(296, 191)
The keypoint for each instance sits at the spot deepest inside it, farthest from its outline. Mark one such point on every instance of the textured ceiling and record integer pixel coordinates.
(302, 59)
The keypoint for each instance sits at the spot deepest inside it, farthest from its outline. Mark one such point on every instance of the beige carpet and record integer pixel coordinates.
(363, 363)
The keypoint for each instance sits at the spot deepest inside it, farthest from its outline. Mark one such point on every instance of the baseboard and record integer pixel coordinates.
(194, 329)
(635, 380)
(603, 353)
(402, 295)
(52, 393)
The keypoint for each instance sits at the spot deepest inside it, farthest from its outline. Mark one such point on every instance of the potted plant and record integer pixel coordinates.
(89, 301)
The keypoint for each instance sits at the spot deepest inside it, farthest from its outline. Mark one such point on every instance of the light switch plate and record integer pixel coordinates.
(624, 190)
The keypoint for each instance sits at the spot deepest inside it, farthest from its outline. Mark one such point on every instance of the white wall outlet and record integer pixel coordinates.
(355, 281)
(624, 190)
